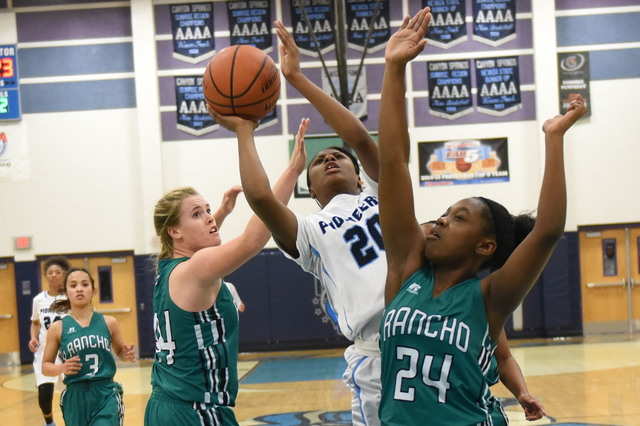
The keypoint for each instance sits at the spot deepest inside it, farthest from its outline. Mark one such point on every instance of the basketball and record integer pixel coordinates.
(462, 165)
(241, 80)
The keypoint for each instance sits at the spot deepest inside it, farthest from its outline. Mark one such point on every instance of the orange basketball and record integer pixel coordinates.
(241, 80)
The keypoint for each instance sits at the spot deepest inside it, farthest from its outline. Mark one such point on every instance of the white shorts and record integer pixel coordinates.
(362, 377)
(37, 369)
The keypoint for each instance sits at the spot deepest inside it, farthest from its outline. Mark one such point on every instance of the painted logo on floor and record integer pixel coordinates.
(337, 418)
(306, 418)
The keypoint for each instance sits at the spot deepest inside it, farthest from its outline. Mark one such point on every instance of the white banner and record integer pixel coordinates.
(358, 104)
(14, 156)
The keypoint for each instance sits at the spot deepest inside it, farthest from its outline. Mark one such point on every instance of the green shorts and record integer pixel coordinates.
(162, 410)
(93, 402)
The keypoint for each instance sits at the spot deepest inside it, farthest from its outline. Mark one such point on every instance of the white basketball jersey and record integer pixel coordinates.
(341, 245)
(42, 313)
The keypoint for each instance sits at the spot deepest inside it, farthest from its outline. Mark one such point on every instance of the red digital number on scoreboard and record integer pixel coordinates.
(6, 67)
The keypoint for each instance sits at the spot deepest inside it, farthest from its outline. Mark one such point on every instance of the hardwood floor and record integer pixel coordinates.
(593, 381)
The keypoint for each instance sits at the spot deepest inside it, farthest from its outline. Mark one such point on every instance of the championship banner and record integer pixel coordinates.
(463, 162)
(574, 75)
(358, 102)
(498, 81)
(449, 88)
(14, 156)
(192, 28)
(193, 117)
(359, 14)
(250, 23)
(322, 20)
(494, 21)
(447, 27)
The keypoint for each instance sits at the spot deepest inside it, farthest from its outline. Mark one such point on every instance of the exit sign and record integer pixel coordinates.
(22, 243)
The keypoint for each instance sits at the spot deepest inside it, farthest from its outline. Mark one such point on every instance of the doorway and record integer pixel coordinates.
(610, 278)
(115, 295)
(10, 343)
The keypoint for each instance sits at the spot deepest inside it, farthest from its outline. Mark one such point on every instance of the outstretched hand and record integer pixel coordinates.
(229, 199)
(231, 122)
(409, 40)
(561, 123)
(299, 155)
(289, 52)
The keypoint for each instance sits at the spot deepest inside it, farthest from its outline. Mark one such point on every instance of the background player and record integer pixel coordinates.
(55, 269)
(85, 340)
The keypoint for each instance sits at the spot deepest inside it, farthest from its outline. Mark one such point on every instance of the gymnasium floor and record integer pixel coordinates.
(581, 381)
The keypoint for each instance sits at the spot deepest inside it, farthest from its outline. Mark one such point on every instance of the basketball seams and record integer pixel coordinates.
(232, 73)
(215, 86)
(255, 78)
(262, 80)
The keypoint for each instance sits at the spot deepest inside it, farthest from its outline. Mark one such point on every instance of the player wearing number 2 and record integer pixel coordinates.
(42, 317)
(84, 339)
(442, 321)
(341, 244)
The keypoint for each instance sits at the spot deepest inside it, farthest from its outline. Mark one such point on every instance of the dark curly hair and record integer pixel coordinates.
(60, 261)
(508, 230)
(343, 150)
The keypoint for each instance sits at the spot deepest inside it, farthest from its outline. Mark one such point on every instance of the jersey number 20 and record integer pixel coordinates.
(363, 251)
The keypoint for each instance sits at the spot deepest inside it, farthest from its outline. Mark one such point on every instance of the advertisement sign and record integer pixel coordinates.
(463, 162)
(14, 156)
(574, 78)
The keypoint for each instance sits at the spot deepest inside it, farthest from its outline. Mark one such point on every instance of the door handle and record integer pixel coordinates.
(607, 285)
(115, 311)
(6, 316)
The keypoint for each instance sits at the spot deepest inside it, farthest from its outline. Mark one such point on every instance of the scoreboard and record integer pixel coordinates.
(9, 88)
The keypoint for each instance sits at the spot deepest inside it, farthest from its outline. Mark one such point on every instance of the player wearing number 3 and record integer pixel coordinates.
(442, 321)
(85, 340)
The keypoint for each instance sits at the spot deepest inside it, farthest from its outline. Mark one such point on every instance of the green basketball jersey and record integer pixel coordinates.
(92, 344)
(434, 353)
(196, 355)
(493, 374)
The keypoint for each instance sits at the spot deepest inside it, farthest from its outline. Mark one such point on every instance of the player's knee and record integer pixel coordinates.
(45, 397)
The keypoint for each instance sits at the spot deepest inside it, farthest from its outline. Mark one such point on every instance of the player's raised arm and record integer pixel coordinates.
(279, 219)
(505, 288)
(346, 125)
(400, 230)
